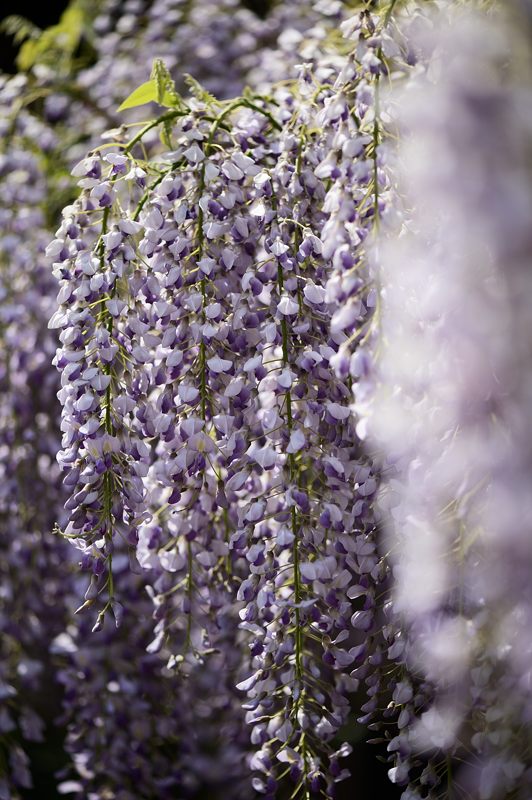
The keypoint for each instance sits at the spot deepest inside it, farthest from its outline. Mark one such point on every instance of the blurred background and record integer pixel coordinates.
(48, 13)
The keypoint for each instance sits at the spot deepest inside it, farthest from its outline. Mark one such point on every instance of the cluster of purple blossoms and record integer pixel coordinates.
(361, 196)
(230, 275)
(102, 374)
(30, 433)
(219, 329)
(38, 581)
(134, 729)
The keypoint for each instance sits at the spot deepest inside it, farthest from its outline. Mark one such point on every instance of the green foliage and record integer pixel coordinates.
(159, 89)
(145, 93)
(164, 83)
(19, 28)
(56, 45)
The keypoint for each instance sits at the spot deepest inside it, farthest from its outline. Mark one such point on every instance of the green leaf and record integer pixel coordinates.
(166, 91)
(53, 44)
(27, 54)
(19, 28)
(166, 134)
(70, 29)
(147, 93)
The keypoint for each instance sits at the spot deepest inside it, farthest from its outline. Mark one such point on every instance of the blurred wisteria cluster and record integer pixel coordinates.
(265, 387)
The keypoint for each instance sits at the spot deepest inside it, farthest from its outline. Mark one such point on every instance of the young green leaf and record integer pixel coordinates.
(147, 92)
(27, 55)
(163, 81)
(19, 28)
(56, 44)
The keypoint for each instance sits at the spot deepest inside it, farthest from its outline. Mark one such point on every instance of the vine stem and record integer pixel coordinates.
(389, 12)
(108, 482)
(376, 140)
(170, 115)
(189, 592)
(295, 544)
(200, 238)
(376, 125)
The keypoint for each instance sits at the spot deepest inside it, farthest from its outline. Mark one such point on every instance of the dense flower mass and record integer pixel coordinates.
(231, 385)
(32, 609)
(279, 405)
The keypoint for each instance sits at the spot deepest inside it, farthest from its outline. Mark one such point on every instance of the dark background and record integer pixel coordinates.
(41, 13)
(369, 780)
(48, 12)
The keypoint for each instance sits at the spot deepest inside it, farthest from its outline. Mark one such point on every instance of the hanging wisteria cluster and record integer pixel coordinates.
(285, 381)
(35, 175)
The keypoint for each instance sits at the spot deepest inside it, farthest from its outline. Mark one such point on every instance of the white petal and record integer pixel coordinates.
(287, 306)
(231, 171)
(194, 154)
(297, 441)
(337, 411)
(314, 294)
(279, 247)
(218, 364)
(285, 379)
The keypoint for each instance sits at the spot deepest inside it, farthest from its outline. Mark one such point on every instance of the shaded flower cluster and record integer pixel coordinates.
(32, 592)
(131, 727)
